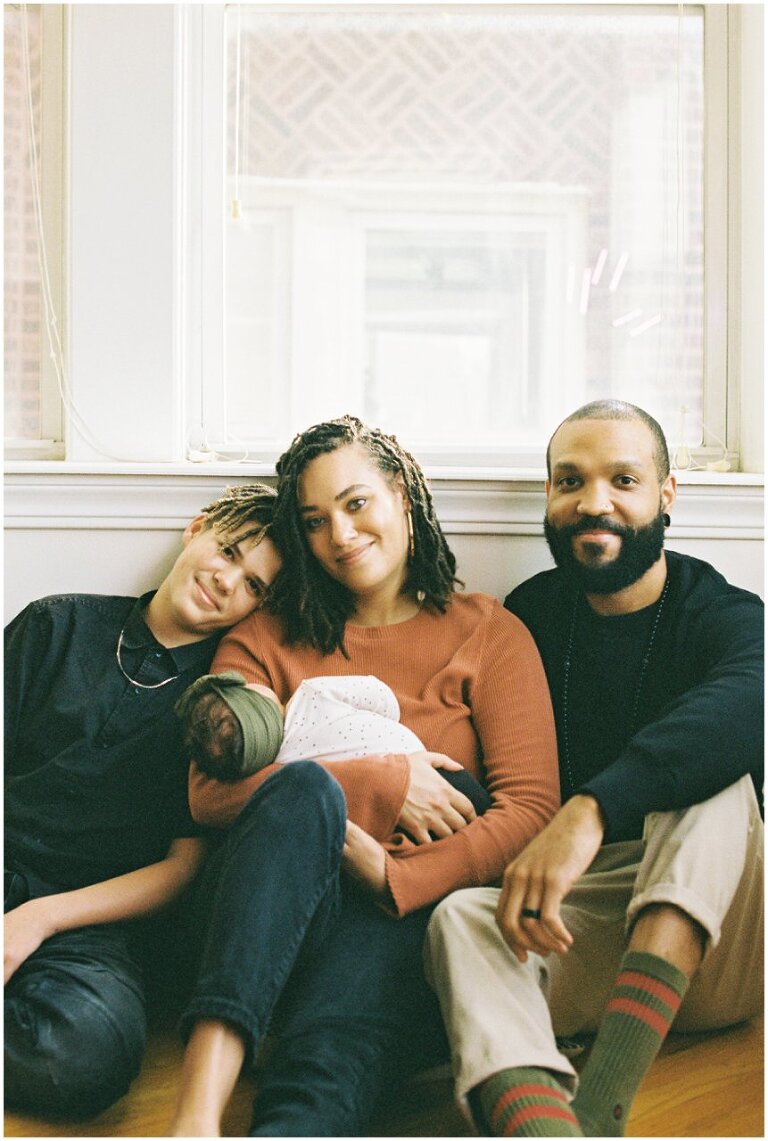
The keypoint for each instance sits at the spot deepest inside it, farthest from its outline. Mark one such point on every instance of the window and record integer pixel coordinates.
(461, 224)
(458, 222)
(33, 133)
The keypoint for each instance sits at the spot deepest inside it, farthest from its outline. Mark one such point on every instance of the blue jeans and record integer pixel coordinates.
(75, 1023)
(293, 947)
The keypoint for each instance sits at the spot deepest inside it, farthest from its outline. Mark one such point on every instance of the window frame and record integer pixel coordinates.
(167, 187)
(205, 34)
(340, 218)
(54, 182)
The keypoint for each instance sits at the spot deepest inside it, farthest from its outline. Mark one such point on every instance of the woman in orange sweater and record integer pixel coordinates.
(328, 874)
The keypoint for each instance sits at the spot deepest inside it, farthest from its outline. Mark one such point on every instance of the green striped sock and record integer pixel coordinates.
(527, 1102)
(645, 999)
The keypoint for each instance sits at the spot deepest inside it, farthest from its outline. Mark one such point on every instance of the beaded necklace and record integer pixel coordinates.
(638, 687)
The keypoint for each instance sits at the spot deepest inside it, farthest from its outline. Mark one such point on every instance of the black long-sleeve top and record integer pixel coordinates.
(95, 772)
(667, 734)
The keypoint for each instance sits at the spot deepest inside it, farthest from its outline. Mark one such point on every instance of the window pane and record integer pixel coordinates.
(23, 297)
(487, 218)
(454, 325)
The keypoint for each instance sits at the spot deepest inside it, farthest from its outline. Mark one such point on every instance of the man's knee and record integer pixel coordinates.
(463, 911)
(461, 927)
(68, 1051)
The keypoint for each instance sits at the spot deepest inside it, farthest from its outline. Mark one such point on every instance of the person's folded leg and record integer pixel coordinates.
(494, 1008)
(273, 885)
(356, 1017)
(708, 862)
(75, 1024)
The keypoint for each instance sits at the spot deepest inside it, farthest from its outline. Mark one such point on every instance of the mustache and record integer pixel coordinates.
(595, 523)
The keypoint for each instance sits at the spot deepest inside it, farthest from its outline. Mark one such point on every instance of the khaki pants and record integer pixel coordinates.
(500, 1013)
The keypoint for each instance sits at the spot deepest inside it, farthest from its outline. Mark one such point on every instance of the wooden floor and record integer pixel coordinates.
(703, 1085)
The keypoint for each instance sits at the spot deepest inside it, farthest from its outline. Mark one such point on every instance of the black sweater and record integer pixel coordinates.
(691, 726)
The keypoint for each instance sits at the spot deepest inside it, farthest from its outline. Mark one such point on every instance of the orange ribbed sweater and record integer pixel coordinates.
(470, 684)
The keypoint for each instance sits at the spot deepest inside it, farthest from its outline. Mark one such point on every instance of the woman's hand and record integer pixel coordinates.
(432, 807)
(26, 927)
(364, 859)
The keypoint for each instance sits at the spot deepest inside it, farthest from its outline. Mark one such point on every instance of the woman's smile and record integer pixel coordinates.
(355, 519)
(350, 558)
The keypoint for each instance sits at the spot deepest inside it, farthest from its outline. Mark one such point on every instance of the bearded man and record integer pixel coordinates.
(641, 903)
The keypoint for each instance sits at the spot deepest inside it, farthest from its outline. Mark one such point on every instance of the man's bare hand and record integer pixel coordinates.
(543, 874)
(364, 859)
(431, 804)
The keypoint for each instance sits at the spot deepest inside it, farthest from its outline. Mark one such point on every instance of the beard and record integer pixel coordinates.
(640, 548)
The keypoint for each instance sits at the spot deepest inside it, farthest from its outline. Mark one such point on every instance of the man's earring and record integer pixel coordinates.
(411, 541)
(666, 519)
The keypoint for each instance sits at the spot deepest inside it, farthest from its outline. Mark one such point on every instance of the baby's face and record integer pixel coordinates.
(265, 691)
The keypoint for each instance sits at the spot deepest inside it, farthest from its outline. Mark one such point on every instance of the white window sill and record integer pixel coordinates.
(469, 501)
(231, 470)
(116, 526)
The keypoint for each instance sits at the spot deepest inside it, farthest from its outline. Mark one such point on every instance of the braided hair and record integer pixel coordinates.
(249, 505)
(313, 606)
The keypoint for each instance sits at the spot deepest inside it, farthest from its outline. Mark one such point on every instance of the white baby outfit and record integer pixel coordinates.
(340, 718)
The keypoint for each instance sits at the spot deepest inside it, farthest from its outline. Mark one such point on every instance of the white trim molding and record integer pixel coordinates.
(729, 508)
(119, 531)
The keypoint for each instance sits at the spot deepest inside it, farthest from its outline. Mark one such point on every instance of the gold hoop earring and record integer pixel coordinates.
(411, 540)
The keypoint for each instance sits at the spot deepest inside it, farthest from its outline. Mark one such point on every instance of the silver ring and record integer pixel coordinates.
(530, 913)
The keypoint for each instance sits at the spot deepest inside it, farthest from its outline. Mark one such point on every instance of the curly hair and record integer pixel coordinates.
(213, 738)
(313, 606)
(239, 506)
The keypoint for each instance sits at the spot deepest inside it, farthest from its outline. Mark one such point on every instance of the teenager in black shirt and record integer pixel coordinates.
(98, 834)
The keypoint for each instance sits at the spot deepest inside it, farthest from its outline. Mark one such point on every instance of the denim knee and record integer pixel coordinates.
(70, 1052)
(303, 783)
(269, 895)
(355, 1016)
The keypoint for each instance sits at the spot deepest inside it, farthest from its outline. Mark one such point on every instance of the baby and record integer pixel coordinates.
(232, 728)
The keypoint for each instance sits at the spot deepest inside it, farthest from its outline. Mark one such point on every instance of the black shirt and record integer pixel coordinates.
(606, 683)
(694, 725)
(95, 774)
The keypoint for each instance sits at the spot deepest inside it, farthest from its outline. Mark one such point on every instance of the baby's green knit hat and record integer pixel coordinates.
(260, 718)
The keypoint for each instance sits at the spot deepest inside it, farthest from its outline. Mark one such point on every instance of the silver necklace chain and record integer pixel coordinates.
(132, 680)
(638, 687)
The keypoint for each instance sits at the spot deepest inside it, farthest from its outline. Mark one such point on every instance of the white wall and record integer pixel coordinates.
(119, 532)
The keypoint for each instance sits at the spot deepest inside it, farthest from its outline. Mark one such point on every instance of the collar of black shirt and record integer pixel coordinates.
(137, 636)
